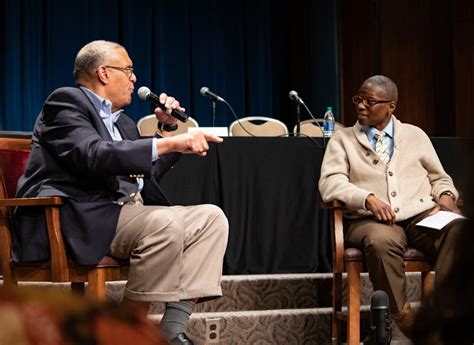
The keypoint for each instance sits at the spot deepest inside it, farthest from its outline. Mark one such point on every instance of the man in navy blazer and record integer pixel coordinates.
(86, 150)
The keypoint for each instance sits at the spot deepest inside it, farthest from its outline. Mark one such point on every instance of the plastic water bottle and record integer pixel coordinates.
(328, 123)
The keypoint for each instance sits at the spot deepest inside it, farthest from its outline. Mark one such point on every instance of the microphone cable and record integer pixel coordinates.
(236, 117)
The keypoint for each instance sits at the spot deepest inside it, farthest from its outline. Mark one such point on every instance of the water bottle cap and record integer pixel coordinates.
(329, 109)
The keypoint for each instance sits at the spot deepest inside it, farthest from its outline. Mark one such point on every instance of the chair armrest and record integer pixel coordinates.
(335, 208)
(51, 205)
(333, 204)
(37, 201)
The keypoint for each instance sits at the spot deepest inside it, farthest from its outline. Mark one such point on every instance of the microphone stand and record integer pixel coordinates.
(213, 113)
(298, 119)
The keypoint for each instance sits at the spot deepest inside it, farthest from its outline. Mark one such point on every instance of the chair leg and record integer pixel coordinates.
(96, 284)
(426, 283)
(8, 277)
(353, 304)
(336, 307)
(10, 282)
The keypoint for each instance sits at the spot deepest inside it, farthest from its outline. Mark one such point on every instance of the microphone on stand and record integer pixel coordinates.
(380, 328)
(299, 101)
(294, 97)
(214, 98)
(207, 93)
(145, 94)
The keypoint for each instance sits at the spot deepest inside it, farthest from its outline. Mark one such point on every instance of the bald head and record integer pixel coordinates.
(90, 57)
(386, 84)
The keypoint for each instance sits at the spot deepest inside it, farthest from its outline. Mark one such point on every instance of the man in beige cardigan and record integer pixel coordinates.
(389, 176)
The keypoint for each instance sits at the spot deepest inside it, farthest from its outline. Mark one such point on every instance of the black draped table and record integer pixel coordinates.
(267, 187)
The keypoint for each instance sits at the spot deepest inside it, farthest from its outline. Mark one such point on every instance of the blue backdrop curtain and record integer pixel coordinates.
(252, 53)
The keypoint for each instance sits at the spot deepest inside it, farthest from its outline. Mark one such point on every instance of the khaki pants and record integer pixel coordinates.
(176, 252)
(384, 246)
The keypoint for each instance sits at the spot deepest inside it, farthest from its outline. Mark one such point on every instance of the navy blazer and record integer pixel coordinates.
(74, 156)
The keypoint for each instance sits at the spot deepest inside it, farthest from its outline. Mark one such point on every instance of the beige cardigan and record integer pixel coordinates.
(411, 182)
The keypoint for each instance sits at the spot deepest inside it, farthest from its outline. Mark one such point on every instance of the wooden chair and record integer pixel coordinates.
(310, 127)
(259, 126)
(13, 156)
(147, 125)
(351, 261)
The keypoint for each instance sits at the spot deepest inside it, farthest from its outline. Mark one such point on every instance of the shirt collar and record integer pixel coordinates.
(371, 131)
(102, 105)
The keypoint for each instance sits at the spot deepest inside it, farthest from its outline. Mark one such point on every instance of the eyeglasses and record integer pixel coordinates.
(127, 70)
(367, 102)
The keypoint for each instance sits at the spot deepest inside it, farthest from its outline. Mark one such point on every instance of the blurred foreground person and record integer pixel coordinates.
(447, 315)
(32, 316)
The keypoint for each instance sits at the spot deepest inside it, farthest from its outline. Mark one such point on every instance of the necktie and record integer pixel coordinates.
(381, 147)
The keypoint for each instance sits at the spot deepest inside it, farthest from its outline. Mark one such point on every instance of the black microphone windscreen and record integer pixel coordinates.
(379, 299)
(380, 329)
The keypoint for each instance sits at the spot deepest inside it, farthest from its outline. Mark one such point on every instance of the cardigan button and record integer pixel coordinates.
(396, 209)
(390, 173)
(393, 194)
(375, 161)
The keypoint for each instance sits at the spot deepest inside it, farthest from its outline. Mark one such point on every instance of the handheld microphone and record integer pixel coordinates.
(145, 94)
(207, 93)
(380, 328)
(294, 97)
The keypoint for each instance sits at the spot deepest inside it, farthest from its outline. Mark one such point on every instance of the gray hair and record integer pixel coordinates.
(91, 56)
(386, 84)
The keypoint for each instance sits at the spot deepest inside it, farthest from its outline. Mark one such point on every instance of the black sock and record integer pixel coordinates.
(176, 318)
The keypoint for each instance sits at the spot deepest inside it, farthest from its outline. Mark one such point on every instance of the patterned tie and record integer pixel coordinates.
(381, 147)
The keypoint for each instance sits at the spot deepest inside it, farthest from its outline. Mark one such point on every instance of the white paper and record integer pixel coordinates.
(439, 220)
(217, 131)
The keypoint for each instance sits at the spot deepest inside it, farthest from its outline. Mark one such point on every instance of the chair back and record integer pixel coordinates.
(13, 157)
(14, 154)
(314, 128)
(259, 126)
(147, 126)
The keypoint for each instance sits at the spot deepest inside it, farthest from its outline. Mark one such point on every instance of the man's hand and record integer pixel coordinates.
(381, 211)
(446, 203)
(193, 142)
(170, 104)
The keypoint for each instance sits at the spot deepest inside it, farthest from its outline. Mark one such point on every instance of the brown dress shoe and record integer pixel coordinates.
(405, 319)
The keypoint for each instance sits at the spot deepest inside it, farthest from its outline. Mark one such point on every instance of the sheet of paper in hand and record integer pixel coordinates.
(439, 220)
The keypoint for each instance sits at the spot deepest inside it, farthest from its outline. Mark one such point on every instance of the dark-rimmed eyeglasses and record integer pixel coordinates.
(368, 102)
(127, 70)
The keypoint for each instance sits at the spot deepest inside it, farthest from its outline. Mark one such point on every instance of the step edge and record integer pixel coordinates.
(269, 312)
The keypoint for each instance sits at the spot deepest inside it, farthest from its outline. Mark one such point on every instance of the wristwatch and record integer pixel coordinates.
(166, 127)
(448, 193)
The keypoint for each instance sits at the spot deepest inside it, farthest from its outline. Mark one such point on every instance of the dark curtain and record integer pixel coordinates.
(252, 53)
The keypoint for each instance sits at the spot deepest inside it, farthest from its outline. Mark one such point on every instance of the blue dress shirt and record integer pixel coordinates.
(371, 131)
(104, 108)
